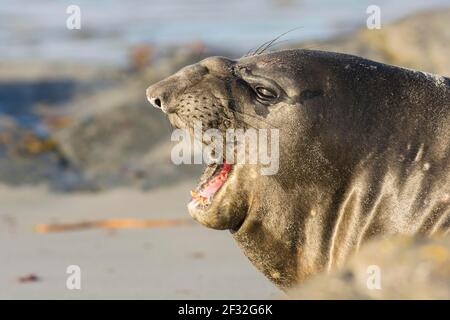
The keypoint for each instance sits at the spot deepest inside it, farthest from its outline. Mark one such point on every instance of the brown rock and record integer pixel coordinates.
(408, 268)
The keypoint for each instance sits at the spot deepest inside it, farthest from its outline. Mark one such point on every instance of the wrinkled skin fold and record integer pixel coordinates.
(364, 152)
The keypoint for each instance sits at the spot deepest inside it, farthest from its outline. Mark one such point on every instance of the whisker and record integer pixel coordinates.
(249, 52)
(277, 43)
(267, 45)
(262, 45)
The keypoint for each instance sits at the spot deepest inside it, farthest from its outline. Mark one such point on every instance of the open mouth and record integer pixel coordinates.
(212, 179)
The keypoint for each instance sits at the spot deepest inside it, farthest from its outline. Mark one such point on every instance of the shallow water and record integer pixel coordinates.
(37, 29)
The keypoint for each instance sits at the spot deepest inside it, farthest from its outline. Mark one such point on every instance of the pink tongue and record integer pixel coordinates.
(216, 182)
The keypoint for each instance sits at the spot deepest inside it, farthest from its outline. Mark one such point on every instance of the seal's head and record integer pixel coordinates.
(258, 92)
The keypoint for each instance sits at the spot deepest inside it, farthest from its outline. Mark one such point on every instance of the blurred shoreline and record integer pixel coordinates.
(36, 30)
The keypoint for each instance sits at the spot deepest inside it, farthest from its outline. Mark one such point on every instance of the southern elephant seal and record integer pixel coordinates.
(364, 151)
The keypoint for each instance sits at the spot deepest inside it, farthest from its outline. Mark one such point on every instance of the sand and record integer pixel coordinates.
(180, 262)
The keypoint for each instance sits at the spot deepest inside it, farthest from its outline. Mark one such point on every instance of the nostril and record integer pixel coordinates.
(157, 102)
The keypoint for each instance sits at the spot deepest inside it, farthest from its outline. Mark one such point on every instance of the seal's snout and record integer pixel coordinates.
(156, 102)
(165, 94)
(153, 97)
(158, 98)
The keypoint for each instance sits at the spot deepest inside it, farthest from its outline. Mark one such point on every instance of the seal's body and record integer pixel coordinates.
(364, 152)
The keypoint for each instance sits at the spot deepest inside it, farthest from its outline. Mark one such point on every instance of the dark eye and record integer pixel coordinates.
(265, 93)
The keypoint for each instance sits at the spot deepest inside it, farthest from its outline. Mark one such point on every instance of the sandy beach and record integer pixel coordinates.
(182, 262)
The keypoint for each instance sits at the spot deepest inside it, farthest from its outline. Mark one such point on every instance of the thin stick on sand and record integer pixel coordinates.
(116, 223)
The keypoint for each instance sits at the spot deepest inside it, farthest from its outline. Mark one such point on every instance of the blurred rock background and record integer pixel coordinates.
(419, 41)
(87, 127)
